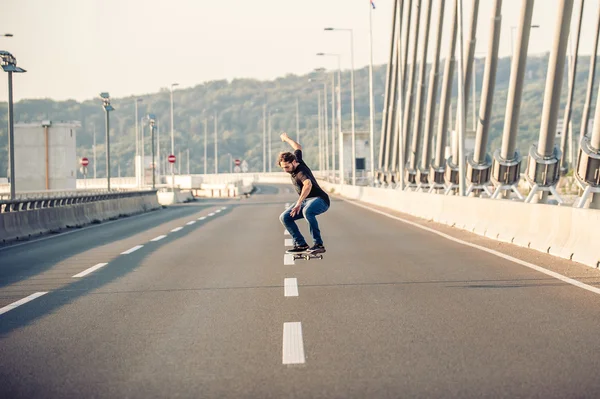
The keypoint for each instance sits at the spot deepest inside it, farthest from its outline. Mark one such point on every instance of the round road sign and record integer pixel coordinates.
(85, 161)
(172, 158)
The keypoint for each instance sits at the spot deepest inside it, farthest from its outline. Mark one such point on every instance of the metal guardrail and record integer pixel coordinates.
(30, 195)
(27, 204)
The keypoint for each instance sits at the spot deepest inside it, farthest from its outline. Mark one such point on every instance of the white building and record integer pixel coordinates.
(45, 156)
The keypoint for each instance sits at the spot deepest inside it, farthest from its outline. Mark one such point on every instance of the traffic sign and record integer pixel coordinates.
(85, 161)
(172, 158)
(237, 162)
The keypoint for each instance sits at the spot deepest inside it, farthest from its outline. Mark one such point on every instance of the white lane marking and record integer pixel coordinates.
(202, 218)
(293, 346)
(130, 250)
(224, 208)
(158, 238)
(287, 205)
(176, 229)
(290, 286)
(288, 259)
(211, 214)
(289, 242)
(91, 269)
(218, 211)
(490, 251)
(286, 233)
(20, 302)
(191, 223)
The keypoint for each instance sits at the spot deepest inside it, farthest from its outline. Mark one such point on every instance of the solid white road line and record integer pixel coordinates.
(158, 238)
(176, 229)
(91, 269)
(293, 346)
(202, 218)
(20, 302)
(288, 259)
(289, 242)
(490, 251)
(290, 286)
(130, 250)
(190, 222)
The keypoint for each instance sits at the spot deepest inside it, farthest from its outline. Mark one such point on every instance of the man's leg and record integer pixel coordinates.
(314, 207)
(289, 223)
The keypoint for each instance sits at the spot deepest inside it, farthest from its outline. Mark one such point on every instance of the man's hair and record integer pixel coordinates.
(286, 157)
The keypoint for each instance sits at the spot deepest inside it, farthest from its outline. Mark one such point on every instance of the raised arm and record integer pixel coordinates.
(295, 146)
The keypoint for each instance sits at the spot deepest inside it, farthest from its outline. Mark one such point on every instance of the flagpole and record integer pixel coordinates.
(371, 123)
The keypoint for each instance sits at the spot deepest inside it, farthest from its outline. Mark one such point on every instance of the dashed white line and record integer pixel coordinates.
(202, 218)
(130, 250)
(289, 242)
(218, 211)
(176, 229)
(190, 222)
(290, 287)
(158, 238)
(20, 302)
(293, 346)
(224, 208)
(211, 214)
(288, 259)
(91, 269)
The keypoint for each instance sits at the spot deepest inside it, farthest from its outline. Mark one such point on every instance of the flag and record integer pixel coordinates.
(372, 4)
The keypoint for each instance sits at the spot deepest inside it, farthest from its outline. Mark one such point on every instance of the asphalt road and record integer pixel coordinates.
(212, 310)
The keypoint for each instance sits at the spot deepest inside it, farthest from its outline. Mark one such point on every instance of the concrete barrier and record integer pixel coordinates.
(570, 233)
(26, 224)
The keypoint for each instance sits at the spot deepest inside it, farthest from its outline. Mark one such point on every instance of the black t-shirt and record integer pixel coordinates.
(303, 172)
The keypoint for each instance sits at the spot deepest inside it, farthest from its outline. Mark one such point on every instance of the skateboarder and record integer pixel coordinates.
(312, 202)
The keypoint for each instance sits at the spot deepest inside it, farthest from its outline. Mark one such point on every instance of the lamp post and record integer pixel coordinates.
(172, 139)
(152, 120)
(351, 100)
(9, 64)
(137, 142)
(512, 31)
(107, 108)
(339, 118)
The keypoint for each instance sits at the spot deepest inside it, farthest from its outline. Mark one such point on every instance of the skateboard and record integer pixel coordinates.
(308, 255)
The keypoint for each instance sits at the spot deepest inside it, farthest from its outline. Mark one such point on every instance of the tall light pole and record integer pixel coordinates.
(512, 32)
(137, 143)
(107, 108)
(264, 138)
(351, 99)
(216, 144)
(205, 145)
(152, 120)
(339, 117)
(9, 64)
(371, 117)
(173, 139)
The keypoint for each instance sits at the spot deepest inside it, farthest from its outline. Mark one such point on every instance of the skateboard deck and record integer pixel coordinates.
(308, 255)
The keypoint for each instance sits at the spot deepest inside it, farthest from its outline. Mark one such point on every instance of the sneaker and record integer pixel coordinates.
(298, 249)
(316, 249)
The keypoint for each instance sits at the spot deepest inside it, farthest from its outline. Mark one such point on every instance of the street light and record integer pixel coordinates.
(152, 120)
(107, 108)
(351, 100)
(137, 142)
(9, 64)
(172, 140)
(512, 31)
(338, 115)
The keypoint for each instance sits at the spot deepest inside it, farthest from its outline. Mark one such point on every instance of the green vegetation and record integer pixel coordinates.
(239, 104)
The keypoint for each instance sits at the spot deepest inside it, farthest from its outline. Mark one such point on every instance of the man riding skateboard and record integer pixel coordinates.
(313, 200)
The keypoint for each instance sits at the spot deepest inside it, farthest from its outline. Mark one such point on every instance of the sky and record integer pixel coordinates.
(75, 49)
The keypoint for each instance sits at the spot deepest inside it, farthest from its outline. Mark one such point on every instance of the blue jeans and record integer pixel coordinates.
(310, 208)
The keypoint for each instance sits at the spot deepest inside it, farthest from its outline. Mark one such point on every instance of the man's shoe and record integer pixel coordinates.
(298, 249)
(316, 249)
